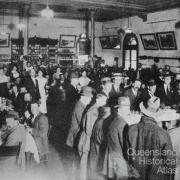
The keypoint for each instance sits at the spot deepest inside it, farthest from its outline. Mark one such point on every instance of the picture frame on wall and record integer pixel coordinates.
(149, 41)
(67, 41)
(4, 40)
(105, 42)
(167, 40)
(115, 42)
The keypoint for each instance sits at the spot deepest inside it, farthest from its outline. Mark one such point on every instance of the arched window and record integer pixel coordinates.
(130, 51)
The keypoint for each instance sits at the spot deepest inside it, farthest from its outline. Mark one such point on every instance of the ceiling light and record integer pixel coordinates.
(21, 26)
(47, 13)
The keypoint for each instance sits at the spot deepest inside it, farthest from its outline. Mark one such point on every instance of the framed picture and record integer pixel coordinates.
(149, 41)
(67, 41)
(4, 40)
(167, 40)
(105, 42)
(115, 42)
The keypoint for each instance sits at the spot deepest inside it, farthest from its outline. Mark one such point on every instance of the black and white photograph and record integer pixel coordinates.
(105, 42)
(115, 42)
(89, 90)
(167, 40)
(67, 41)
(149, 41)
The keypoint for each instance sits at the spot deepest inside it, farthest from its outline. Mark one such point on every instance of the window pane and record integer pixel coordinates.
(127, 64)
(133, 55)
(134, 64)
(127, 55)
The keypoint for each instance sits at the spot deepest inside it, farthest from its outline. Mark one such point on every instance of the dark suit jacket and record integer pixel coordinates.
(133, 99)
(32, 88)
(113, 95)
(166, 99)
(39, 132)
(18, 102)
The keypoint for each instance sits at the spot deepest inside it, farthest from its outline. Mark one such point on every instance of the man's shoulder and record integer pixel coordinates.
(117, 122)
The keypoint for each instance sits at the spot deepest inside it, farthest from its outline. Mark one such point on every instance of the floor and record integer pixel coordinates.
(58, 165)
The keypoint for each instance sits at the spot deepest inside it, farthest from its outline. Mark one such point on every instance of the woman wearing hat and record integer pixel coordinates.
(147, 136)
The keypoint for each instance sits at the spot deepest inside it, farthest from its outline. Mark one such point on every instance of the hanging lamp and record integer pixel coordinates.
(47, 12)
(21, 25)
(128, 30)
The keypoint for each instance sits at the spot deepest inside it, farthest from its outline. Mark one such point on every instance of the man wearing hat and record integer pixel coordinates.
(166, 91)
(115, 166)
(72, 95)
(76, 118)
(117, 87)
(149, 91)
(160, 77)
(134, 94)
(86, 128)
(147, 136)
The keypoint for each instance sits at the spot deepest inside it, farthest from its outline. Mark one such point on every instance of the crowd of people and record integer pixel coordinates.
(89, 106)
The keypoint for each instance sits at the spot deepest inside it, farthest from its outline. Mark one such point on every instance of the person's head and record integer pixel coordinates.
(1, 71)
(14, 68)
(35, 108)
(58, 70)
(177, 77)
(18, 80)
(32, 73)
(152, 86)
(117, 79)
(40, 73)
(123, 106)
(74, 79)
(101, 100)
(11, 121)
(5, 69)
(106, 84)
(151, 107)
(15, 88)
(167, 67)
(28, 64)
(167, 79)
(136, 84)
(84, 73)
(27, 97)
(86, 94)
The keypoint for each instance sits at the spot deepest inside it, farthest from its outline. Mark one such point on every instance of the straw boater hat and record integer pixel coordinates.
(152, 109)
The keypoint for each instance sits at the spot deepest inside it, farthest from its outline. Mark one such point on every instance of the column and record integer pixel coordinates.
(26, 29)
(92, 33)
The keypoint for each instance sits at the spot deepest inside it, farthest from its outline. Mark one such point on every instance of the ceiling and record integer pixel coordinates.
(105, 10)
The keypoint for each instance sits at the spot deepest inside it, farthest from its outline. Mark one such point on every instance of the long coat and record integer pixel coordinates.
(39, 132)
(146, 136)
(175, 136)
(114, 162)
(75, 123)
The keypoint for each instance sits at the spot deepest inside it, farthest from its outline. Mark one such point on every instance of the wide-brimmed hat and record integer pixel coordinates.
(168, 74)
(151, 82)
(87, 91)
(122, 101)
(152, 109)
